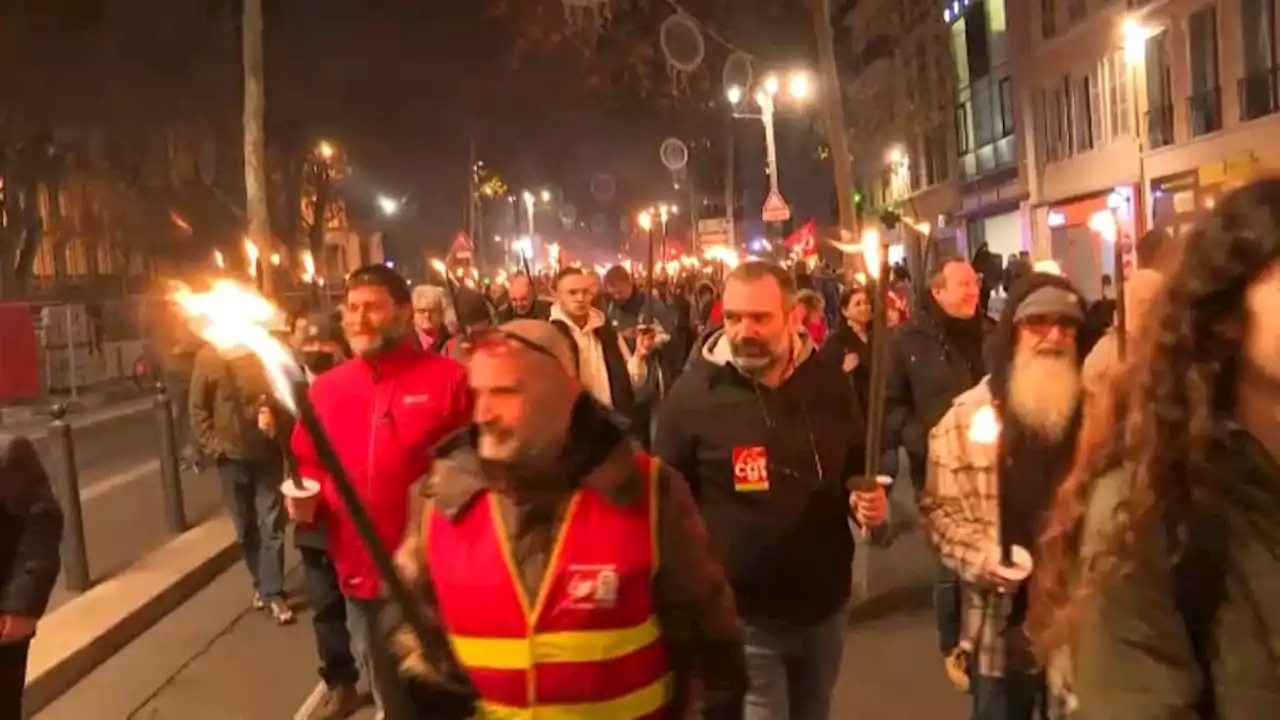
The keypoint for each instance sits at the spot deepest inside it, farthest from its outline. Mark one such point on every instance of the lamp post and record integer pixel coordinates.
(799, 88)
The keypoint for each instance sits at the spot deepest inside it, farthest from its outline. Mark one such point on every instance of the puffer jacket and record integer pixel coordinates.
(383, 416)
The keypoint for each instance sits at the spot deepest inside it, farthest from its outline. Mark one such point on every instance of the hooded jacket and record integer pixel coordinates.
(785, 542)
(383, 416)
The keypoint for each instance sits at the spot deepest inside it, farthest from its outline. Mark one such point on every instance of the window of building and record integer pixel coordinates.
(1082, 115)
(1159, 92)
(1204, 104)
(1048, 18)
(997, 33)
(1056, 124)
(1076, 10)
(976, 40)
(106, 257)
(1119, 96)
(964, 124)
(76, 258)
(1097, 106)
(984, 122)
(960, 51)
(1006, 113)
(937, 164)
(1258, 95)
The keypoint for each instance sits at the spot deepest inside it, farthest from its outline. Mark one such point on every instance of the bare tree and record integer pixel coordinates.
(833, 108)
(255, 146)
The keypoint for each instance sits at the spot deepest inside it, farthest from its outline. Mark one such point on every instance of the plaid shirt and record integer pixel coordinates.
(961, 512)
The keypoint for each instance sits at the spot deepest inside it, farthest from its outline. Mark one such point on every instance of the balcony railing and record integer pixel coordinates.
(1258, 94)
(1160, 126)
(1204, 110)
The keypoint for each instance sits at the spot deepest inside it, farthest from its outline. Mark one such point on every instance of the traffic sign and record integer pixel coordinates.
(461, 246)
(775, 208)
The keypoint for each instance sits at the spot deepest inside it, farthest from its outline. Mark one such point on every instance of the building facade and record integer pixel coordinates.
(1146, 109)
(901, 124)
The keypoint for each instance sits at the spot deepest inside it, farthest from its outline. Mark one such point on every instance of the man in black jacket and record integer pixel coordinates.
(768, 434)
(30, 531)
(935, 356)
(524, 302)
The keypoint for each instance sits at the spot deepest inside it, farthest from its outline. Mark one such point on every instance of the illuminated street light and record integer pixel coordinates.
(771, 85)
(388, 205)
(326, 150)
(799, 86)
(1135, 36)
(546, 196)
(645, 218)
(895, 155)
(734, 93)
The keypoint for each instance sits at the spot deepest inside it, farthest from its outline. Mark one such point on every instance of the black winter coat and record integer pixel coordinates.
(30, 531)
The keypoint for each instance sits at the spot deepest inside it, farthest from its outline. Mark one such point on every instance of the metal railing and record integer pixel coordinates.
(1204, 111)
(1257, 93)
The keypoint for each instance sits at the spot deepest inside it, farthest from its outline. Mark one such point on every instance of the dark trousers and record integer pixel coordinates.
(946, 603)
(1016, 696)
(251, 491)
(13, 678)
(329, 619)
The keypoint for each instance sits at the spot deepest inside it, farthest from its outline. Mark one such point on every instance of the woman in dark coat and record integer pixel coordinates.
(30, 532)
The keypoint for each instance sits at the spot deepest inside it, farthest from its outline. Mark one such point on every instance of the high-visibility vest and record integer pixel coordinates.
(589, 646)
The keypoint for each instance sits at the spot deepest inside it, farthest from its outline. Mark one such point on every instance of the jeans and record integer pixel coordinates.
(13, 675)
(374, 656)
(251, 491)
(1016, 696)
(946, 603)
(792, 668)
(329, 619)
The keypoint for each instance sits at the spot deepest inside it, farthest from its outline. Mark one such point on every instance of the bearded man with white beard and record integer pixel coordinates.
(981, 493)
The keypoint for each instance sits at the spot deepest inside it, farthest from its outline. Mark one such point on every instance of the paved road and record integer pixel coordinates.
(117, 459)
(214, 660)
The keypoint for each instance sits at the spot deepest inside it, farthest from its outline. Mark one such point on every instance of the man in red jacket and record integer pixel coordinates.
(384, 411)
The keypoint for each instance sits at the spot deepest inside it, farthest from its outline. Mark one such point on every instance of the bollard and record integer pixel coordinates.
(175, 511)
(66, 480)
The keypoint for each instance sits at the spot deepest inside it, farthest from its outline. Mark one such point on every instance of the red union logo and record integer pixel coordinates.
(750, 468)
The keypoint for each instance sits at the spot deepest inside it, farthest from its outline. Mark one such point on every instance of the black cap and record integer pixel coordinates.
(472, 308)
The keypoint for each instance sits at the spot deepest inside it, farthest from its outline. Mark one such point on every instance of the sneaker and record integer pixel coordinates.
(337, 703)
(258, 604)
(280, 611)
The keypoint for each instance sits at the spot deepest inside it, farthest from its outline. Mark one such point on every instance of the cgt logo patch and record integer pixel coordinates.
(592, 587)
(750, 469)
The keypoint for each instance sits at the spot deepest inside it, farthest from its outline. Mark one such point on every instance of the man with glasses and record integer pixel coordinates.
(769, 434)
(384, 410)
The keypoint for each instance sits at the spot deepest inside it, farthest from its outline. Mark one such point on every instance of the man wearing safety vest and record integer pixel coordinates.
(569, 572)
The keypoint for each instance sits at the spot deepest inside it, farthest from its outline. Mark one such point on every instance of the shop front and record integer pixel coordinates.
(1177, 200)
(1076, 236)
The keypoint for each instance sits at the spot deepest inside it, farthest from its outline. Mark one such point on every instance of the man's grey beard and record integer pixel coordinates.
(753, 357)
(1044, 392)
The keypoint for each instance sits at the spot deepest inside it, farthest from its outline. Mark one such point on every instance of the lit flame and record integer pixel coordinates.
(438, 265)
(871, 251)
(180, 222)
(229, 316)
(218, 260)
(1103, 222)
(984, 426)
(1048, 266)
(275, 259)
(308, 267)
(251, 251)
(502, 277)
(673, 267)
(717, 253)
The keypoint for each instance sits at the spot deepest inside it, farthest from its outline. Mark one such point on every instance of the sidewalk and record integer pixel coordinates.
(90, 407)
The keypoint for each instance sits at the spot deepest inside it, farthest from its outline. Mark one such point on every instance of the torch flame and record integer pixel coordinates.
(871, 251)
(251, 251)
(984, 426)
(438, 265)
(1104, 223)
(308, 267)
(218, 259)
(725, 255)
(229, 317)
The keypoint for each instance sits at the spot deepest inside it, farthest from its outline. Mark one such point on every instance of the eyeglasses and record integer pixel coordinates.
(491, 339)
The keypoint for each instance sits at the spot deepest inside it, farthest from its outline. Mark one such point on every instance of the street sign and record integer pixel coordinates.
(775, 208)
(713, 231)
(461, 247)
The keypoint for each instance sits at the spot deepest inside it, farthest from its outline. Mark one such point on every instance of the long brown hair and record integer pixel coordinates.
(1161, 415)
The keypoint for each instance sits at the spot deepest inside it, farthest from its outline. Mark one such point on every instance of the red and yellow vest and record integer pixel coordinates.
(589, 646)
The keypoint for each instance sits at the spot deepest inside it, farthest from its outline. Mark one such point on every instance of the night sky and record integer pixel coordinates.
(404, 85)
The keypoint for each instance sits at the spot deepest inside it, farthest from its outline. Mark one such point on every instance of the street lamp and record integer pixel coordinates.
(528, 207)
(388, 205)
(326, 150)
(1135, 36)
(734, 93)
(546, 196)
(799, 88)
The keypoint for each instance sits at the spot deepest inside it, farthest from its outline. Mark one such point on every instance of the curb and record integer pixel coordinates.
(89, 629)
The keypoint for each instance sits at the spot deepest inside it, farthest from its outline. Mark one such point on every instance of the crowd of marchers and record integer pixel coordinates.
(614, 500)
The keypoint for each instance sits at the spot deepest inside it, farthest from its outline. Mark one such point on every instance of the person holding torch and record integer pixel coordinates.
(995, 461)
(383, 410)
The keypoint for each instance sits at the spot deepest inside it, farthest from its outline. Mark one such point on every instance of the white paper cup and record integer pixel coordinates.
(301, 499)
(1017, 572)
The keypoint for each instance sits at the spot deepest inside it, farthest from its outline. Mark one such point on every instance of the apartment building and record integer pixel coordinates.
(1131, 116)
(901, 125)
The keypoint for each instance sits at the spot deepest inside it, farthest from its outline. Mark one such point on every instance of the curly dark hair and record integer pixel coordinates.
(1163, 411)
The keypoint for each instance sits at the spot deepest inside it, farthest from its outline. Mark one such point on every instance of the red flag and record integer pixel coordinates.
(804, 241)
